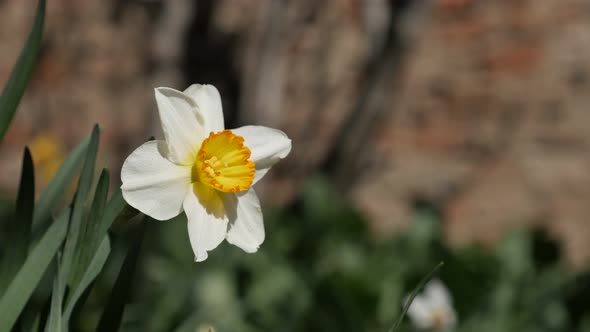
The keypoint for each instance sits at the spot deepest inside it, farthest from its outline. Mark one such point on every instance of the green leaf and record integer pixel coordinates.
(413, 296)
(22, 72)
(112, 314)
(24, 204)
(94, 268)
(19, 228)
(54, 191)
(54, 322)
(67, 259)
(29, 275)
(33, 324)
(79, 206)
(90, 237)
(116, 209)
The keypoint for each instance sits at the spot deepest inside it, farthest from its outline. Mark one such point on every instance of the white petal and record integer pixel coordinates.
(245, 216)
(420, 312)
(452, 318)
(209, 105)
(152, 184)
(182, 130)
(437, 293)
(267, 145)
(207, 222)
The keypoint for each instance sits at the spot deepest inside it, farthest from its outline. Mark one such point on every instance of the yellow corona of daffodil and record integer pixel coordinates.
(203, 169)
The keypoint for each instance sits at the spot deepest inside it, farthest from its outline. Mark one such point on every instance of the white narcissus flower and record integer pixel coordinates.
(204, 170)
(433, 308)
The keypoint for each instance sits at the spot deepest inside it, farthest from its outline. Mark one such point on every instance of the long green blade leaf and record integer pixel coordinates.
(32, 325)
(112, 314)
(24, 204)
(54, 322)
(22, 72)
(94, 268)
(90, 237)
(29, 275)
(19, 228)
(54, 191)
(79, 204)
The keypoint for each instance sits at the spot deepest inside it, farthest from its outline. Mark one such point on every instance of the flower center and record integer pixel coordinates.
(223, 163)
(440, 317)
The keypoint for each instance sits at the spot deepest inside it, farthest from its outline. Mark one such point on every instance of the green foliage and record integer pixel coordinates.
(78, 209)
(112, 314)
(23, 284)
(89, 239)
(320, 269)
(77, 241)
(26, 260)
(22, 72)
(91, 272)
(18, 228)
(55, 322)
(75, 245)
(53, 194)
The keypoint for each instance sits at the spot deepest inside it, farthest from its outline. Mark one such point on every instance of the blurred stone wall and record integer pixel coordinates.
(491, 121)
(478, 107)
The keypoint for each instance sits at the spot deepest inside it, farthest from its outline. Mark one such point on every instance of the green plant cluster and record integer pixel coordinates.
(49, 256)
(320, 269)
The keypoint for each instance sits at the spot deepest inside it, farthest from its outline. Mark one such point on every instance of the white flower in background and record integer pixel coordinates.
(204, 170)
(433, 308)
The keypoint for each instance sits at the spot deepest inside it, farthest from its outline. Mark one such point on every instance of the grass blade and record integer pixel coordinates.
(413, 296)
(19, 228)
(54, 191)
(22, 72)
(29, 275)
(112, 314)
